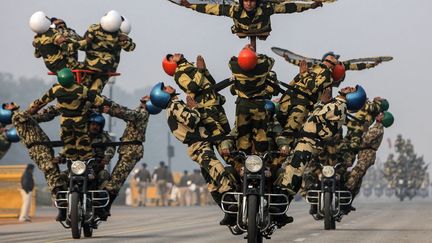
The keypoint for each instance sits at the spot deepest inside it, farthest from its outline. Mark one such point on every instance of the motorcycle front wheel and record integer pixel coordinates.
(254, 235)
(328, 214)
(75, 219)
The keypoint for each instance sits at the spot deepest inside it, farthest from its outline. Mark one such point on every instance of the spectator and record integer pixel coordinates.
(27, 185)
(143, 178)
(185, 194)
(160, 175)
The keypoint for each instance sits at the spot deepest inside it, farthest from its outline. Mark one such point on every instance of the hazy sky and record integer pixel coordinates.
(352, 28)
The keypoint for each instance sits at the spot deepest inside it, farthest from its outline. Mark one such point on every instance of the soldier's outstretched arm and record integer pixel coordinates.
(293, 7)
(126, 43)
(359, 66)
(212, 9)
(49, 96)
(47, 114)
(127, 114)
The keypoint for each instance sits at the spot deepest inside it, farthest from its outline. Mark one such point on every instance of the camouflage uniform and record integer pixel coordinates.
(103, 55)
(73, 104)
(133, 150)
(252, 88)
(358, 66)
(366, 157)
(322, 126)
(299, 100)
(31, 135)
(245, 24)
(356, 127)
(57, 56)
(106, 153)
(4, 146)
(196, 83)
(186, 126)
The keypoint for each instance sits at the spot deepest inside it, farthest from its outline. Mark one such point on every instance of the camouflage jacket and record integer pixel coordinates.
(373, 137)
(4, 145)
(326, 120)
(252, 84)
(259, 22)
(28, 129)
(103, 152)
(194, 81)
(136, 122)
(348, 65)
(184, 122)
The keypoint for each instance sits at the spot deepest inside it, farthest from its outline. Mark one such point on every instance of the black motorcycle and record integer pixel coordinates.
(80, 200)
(255, 207)
(330, 198)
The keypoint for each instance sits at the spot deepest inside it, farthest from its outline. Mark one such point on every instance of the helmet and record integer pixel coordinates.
(338, 73)
(111, 21)
(357, 99)
(330, 53)
(39, 22)
(98, 119)
(388, 119)
(152, 109)
(12, 135)
(65, 77)
(126, 26)
(159, 97)
(384, 105)
(247, 59)
(270, 106)
(168, 66)
(5, 116)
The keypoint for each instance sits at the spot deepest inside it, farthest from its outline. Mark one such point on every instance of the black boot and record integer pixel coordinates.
(106, 212)
(61, 215)
(228, 219)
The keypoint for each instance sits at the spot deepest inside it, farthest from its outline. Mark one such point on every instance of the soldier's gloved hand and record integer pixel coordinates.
(200, 63)
(190, 102)
(185, 3)
(316, 4)
(284, 150)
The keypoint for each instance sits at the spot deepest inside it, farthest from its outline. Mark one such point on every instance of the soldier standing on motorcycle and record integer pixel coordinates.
(185, 124)
(323, 124)
(132, 149)
(371, 141)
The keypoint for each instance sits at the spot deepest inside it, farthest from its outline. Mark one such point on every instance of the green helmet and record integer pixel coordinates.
(384, 104)
(65, 77)
(388, 119)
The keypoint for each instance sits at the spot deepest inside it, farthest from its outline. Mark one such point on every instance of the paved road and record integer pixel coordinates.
(372, 222)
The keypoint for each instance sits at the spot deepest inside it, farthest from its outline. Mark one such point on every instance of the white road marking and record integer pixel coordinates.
(315, 234)
(299, 239)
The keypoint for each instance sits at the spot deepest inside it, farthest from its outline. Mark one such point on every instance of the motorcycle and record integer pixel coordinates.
(401, 189)
(329, 198)
(80, 201)
(389, 192)
(255, 207)
(379, 190)
(367, 189)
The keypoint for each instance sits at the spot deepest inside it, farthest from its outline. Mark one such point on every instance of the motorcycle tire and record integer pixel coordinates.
(75, 219)
(328, 214)
(88, 230)
(254, 234)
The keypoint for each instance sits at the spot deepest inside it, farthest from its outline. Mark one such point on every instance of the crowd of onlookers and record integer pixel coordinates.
(189, 189)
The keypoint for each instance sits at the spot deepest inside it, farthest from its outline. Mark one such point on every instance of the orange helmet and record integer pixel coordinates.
(338, 72)
(247, 59)
(169, 66)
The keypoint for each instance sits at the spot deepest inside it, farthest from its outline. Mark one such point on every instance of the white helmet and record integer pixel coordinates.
(39, 22)
(111, 21)
(126, 26)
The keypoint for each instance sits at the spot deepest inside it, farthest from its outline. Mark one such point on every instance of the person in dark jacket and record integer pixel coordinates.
(27, 185)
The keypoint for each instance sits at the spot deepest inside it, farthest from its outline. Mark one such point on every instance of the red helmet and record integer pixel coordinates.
(169, 66)
(247, 59)
(338, 72)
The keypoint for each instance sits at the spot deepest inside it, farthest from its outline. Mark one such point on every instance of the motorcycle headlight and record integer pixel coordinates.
(328, 171)
(254, 163)
(78, 167)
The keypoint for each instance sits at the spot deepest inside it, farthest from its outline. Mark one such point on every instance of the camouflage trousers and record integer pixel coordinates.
(96, 82)
(129, 155)
(4, 146)
(251, 124)
(366, 158)
(293, 114)
(30, 133)
(212, 169)
(215, 120)
(77, 142)
(304, 151)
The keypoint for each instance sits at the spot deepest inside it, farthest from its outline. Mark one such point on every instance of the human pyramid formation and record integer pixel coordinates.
(304, 124)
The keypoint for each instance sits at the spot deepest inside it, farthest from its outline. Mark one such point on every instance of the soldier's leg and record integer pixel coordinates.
(244, 136)
(222, 119)
(83, 141)
(69, 140)
(103, 177)
(203, 154)
(99, 82)
(366, 159)
(259, 130)
(297, 115)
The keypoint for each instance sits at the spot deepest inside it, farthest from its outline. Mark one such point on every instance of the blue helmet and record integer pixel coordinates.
(330, 53)
(12, 135)
(98, 119)
(357, 99)
(5, 116)
(159, 97)
(270, 106)
(152, 109)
